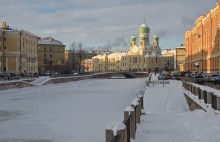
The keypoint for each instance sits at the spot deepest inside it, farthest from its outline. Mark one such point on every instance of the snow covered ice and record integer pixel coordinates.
(70, 112)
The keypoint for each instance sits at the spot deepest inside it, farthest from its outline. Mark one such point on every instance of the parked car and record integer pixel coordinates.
(175, 78)
(175, 73)
(12, 74)
(199, 79)
(193, 75)
(163, 77)
(6, 76)
(188, 73)
(216, 80)
(211, 78)
(1, 76)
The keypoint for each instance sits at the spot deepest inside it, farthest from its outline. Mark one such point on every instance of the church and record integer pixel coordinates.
(141, 55)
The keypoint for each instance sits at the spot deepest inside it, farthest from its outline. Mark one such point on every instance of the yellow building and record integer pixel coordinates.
(180, 53)
(145, 57)
(172, 59)
(50, 55)
(87, 65)
(18, 50)
(168, 59)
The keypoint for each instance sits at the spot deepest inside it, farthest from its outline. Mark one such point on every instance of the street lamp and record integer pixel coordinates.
(196, 64)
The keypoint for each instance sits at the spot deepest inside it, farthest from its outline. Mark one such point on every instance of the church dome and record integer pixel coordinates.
(144, 28)
(133, 38)
(143, 37)
(156, 37)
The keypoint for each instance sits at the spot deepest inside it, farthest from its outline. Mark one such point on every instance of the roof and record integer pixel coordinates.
(52, 42)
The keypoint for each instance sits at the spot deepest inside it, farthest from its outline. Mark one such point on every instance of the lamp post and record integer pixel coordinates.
(196, 64)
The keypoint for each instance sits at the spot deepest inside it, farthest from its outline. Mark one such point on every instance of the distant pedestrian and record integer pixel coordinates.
(155, 73)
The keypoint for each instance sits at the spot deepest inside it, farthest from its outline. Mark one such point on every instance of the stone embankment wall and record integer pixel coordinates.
(209, 99)
(192, 104)
(66, 79)
(14, 84)
(20, 84)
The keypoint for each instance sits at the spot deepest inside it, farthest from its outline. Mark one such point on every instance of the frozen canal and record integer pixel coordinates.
(72, 112)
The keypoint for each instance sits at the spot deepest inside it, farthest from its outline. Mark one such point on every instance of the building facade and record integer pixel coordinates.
(18, 50)
(87, 65)
(168, 59)
(50, 55)
(74, 59)
(141, 55)
(179, 57)
(174, 58)
(203, 43)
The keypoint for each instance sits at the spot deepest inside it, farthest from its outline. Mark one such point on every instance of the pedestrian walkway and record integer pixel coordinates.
(40, 81)
(168, 118)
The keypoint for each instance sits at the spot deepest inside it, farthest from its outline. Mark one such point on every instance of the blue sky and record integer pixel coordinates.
(105, 24)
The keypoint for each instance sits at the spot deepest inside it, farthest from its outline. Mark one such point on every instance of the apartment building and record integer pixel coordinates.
(174, 58)
(203, 43)
(50, 55)
(18, 50)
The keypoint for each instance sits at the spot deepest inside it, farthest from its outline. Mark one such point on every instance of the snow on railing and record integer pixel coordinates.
(116, 131)
(209, 101)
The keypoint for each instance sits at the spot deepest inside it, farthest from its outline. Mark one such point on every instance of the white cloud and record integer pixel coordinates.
(96, 22)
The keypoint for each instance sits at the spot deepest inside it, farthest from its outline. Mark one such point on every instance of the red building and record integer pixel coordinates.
(203, 43)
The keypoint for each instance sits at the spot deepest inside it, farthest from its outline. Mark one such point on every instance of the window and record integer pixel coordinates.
(45, 49)
(135, 59)
(45, 55)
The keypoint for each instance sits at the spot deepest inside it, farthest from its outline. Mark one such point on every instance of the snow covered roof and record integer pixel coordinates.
(50, 41)
(167, 51)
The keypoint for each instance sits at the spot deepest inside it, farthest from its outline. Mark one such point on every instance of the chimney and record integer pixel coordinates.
(4, 25)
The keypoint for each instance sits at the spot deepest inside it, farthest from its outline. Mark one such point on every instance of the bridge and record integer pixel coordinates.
(120, 74)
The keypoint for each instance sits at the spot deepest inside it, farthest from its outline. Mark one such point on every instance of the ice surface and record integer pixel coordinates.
(68, 112)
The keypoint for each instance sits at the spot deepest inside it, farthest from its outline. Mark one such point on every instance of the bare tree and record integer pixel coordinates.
(73, 48)
(80, 56)
(77, 55)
